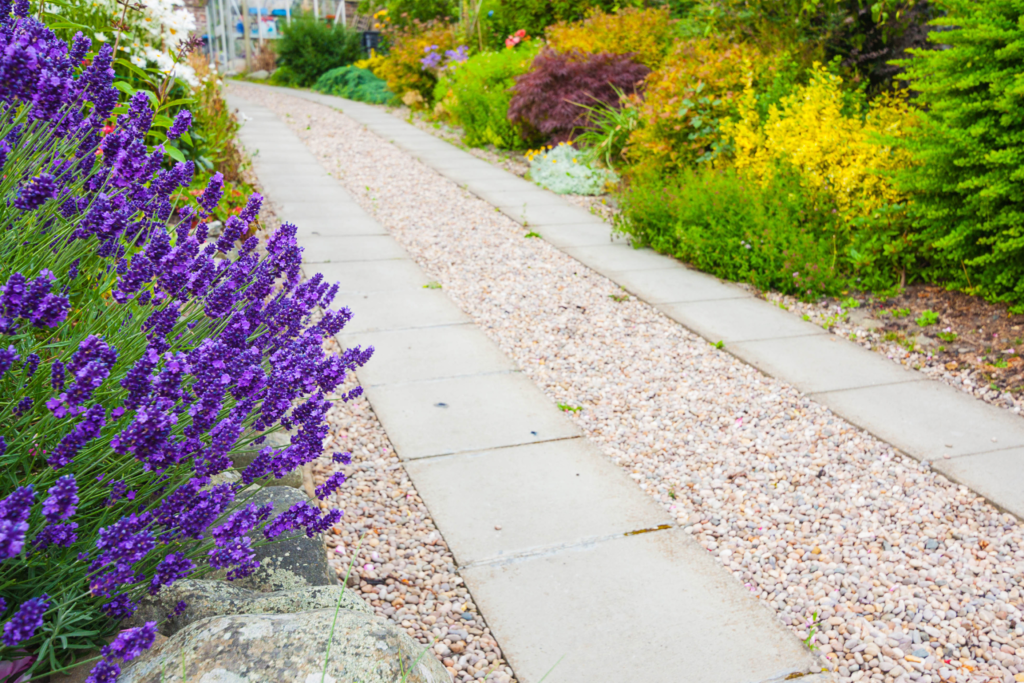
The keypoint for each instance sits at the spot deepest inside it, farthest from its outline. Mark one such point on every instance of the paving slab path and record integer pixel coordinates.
(976, 444)
(910, 576)
(584, 570)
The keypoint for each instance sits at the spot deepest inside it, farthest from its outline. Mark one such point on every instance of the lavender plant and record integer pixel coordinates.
(135, 355)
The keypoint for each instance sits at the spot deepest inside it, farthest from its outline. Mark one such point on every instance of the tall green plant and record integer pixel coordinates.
(477, 92)
(968, 204)
(309, 48)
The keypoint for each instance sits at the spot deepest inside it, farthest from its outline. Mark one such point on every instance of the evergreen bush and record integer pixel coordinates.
(966, 186)
(309, 48)
(355, 84)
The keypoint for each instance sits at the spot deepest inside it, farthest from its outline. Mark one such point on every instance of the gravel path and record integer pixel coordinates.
(910, 577)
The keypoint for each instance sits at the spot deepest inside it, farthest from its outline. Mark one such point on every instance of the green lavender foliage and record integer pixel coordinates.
(355, 84)
(968, 207)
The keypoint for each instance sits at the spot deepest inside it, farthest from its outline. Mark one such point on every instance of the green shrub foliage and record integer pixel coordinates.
(967, 199)
(781, 237)
(477, 93)
(309, 48)
(355, 84)
(564, 170)
(534, 16)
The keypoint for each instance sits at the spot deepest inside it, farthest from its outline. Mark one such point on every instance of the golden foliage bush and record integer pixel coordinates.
(402, 68)
(646, 33)
(846, 156)
(697, 88)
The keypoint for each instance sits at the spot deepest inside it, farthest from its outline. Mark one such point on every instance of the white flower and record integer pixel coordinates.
(102, 37)
(139, 60)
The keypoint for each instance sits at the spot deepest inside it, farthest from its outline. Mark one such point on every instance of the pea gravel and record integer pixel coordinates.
(891, 571)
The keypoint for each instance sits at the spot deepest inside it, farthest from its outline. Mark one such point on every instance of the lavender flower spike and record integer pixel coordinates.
(182, 122)
(63, 499)
(26, 621)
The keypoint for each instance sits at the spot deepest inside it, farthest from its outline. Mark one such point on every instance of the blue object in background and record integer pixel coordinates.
(279, 12)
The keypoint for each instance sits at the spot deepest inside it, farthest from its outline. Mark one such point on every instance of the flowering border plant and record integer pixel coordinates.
(136, 353)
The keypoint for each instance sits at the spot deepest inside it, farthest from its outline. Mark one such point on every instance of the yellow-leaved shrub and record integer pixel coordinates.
(845, 156)
(699, 86)
(646, 33)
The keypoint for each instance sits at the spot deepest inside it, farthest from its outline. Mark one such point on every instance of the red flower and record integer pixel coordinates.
(108, 129)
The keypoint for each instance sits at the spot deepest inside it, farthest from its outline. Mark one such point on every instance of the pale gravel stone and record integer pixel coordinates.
(810, 513)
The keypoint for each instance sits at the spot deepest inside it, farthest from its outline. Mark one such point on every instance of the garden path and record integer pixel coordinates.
(968, 441)
(562, 552)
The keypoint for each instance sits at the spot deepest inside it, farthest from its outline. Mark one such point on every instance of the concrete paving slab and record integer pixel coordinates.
(431, 353)
(399, 310)
(614, 258)
(510, 183)
(654, 607)
(334, 203)
(821, 362)
(534, 196)
(319, 249)
(975, 472)
(592, 233)
(739, 320)
(374, 276)
(673, 285)
(323, 224)
(928, 419)
(581, 496)
(467, 413)
(542, 216)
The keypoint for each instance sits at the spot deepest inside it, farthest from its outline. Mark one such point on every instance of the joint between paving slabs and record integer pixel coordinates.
(548, 550)
(452, 454)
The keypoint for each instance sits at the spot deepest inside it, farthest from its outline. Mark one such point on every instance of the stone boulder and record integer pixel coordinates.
(204, 598)
(260, 75)
(273, 648)
(292, 560)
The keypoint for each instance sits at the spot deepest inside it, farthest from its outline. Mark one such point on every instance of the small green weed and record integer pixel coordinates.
(783, 306)
(899, 312)
(619, 297)
(927, 318)
(849, 303)
(531, 234)
(433, 284)
(672, 494)
(813, 626)
(566, 408)
(806, 317)
(719, 344)
(999, 363)
(947, 336)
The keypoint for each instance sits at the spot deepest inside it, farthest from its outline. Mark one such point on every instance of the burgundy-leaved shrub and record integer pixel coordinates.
(547, 100)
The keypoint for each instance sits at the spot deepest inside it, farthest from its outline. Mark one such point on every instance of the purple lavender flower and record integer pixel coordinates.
(3, 605)
(79, 48)
(182, 122)
(57, 375)
(26, 621)
(252, 208)
(8, 357)
(213, 192)
(104, 672)
(24, 405)
(61, 535)
(241, 522)
(179, 609)
(173, 567)
(131, 642)
(31, 364)
(301, 515)
(63, 499)
(331, 485)
(14, 513)
(73, 442)
(36, 192)
(343, 458)
(21, 8)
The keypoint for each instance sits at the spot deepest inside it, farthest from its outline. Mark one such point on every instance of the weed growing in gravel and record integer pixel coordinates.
(927, 318)
(531, 234)
(433, 284)
(619, 297)
(719, 344)
(566, 408)
(947, 335)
